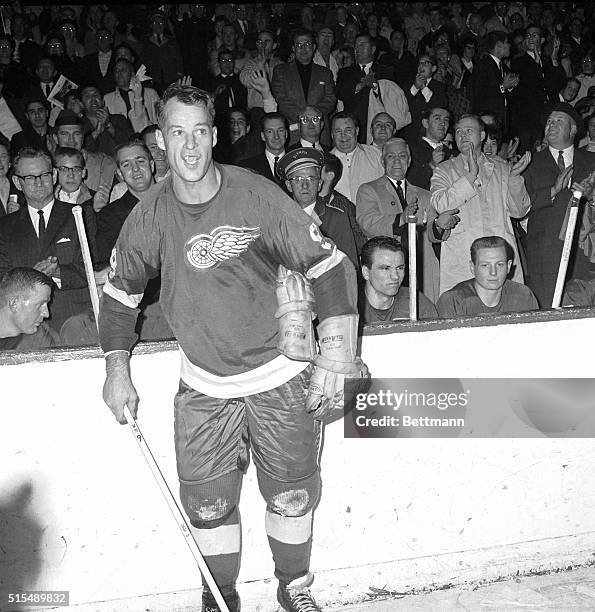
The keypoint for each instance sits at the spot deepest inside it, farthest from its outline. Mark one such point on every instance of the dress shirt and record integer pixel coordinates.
(271, 159)
(71, 198)
(568, 154)
(47, 210)
(433, 144)
(308, 145)
(426, 92)
(104, 60)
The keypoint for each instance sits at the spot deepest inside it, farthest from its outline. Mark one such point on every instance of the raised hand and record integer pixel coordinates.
(522, 164)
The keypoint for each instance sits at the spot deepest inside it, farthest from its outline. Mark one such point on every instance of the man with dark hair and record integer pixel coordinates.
(301, 82)
(569, 91)
(227, 88)
(273, 132)
(158, 154)
(384, 298)
(237, 388)
(489, 291)
(98, 67)
(311, 125)
(383, 128)
(24, 297)
(42, 235)
(399, 58)
(36, 132)
(491, 82)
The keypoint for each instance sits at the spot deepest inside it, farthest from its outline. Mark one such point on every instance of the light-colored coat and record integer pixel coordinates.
(485, 206)
(148, 115)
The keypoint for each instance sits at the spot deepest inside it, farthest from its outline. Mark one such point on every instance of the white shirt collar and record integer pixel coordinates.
(395, 182)
(433, 144)
(271, 159)
(310, 209)
(308, 145)
(71, 198)
(33, 214)
(568, 154)
(497, 60)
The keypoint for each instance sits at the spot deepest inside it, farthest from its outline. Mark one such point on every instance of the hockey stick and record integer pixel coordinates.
(412, 243)
(136, 433)
(570, 227)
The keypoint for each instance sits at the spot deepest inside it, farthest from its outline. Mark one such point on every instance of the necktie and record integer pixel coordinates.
(231, 97)
(561, 163)
(126, 98)
(363, 69)
(397, 227)
(501, 71)
(159, 39)
(401, 195)
(41, 224)
(275, 166)
(313, 145)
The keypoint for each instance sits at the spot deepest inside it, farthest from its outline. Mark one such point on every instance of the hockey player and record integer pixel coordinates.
(219, 235)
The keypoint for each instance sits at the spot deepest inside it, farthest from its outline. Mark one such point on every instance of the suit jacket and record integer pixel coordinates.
(376, 209)
(358, 104)
(259, 163)
(544, 247)
(240, 94)
(537, 87)
(420, 172)
(289, 93)
(28, 138)
(92, 72)
(417, 104)
(484, 88)
(19, 246)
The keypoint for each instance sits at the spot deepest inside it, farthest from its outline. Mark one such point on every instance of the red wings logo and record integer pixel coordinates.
(223, 243)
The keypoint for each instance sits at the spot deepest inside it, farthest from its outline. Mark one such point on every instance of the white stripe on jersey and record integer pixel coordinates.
(132, 301)
(264, 378)
(326, 264)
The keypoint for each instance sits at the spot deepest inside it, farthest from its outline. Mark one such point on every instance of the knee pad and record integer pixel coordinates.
(210, 504)
(290, 498)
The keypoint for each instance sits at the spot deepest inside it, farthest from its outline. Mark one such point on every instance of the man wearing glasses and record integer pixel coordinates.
(42, 235)
(301, 82)
(311, 124)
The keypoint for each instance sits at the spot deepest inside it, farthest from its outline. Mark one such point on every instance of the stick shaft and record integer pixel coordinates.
(570, 227)
(77, 211)
(412, 236)
(174, 508)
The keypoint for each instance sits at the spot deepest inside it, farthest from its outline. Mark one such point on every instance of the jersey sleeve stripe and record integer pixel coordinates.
(132, 301)
(326, 264)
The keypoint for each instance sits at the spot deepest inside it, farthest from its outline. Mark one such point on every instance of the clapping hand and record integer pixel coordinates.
(522, 164)
(510, 81)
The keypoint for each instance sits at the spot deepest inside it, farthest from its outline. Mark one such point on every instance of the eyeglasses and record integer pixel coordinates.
(69, 170)
(226, 60)
(303, 45)
(29, 179)
(299, 180)
(314, 120)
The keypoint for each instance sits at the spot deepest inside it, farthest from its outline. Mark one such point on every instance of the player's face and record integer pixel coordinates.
(304, 185)
(385, 276)
(396, 160)
(491, 268)
(70, 136)
(135, 168)
(188, 138)
(32, 309)
(274, 135)
(344, 134)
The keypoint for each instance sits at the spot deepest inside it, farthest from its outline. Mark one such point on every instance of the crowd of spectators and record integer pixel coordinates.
(475, 121)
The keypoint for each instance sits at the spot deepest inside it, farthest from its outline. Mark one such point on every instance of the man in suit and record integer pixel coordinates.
(540, 78)
(227, 87)
(42, 235)
(384, 205)
(98, 67)
(491, 83)
(355, 83)
(429, 150)
(424, 92)
(301, 82)
(549, 179)
(273, 132)
(311, 127)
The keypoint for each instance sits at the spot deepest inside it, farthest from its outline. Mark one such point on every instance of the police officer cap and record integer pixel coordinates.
(68, 117)
(564, 107)
(299, 159)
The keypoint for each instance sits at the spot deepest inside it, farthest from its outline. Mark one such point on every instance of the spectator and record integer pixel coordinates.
(302, 83)
(492, 142)
(401, 60)
(13, 74)
(590, 144)
(384, 298)
(586, 77)
(130, 99)
(578, 43)
(36, 132)
(273, 132)
(540, 77)
(228, 91)
(384, 205)
(26, 52)
(498, 20)
(487, 193)
(5, 184)
(46, 74)
(73, 48)
(9, 110)
(256, 76)
(548, 179)
(311, 122)
(70, 165)
(135, 167)
(383, 128)
(301, 170)
(42, 235)
(103, 130)
(488, 291)
(491, 83)
(430, 149)
(55, 47)
(235, 140)
(359, 89)
(98, 67)
(68, 132)
(229, 42)
(161, 53)
(24, 297)
(325, 39)
(157, 153)
(417, 25)
(569, 91)
(361, 162)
